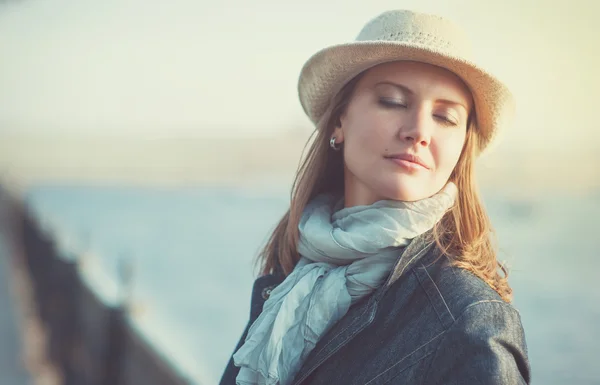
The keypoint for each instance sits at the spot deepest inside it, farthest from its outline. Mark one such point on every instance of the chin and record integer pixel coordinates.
(406, 191)
(403, 194)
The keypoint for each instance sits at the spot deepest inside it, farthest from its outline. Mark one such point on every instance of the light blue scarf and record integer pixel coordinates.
(346, 253)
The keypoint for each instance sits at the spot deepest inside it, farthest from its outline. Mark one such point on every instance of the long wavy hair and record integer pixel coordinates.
(464, 235)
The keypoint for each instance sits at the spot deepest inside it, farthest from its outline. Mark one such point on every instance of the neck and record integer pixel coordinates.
(356, 193)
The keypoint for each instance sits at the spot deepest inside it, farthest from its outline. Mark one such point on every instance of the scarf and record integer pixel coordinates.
(346, 254)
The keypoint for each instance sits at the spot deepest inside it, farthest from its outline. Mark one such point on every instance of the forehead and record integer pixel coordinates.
(419, 77)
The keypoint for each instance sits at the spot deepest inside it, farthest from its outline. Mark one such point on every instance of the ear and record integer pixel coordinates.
(338, 130)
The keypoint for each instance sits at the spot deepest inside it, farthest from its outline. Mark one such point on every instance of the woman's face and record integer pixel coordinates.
(402, 131)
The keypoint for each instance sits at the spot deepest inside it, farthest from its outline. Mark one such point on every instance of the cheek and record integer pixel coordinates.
(366, 139)
(447, 154)
(368, 130)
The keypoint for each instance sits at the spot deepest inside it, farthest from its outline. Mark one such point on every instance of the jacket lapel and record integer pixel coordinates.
(358, 317)
(361, 314)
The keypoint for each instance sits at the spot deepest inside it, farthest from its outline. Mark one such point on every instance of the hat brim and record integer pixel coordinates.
(328, 70)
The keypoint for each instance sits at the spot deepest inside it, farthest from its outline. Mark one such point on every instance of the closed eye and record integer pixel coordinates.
(445, 120)
(391, 103)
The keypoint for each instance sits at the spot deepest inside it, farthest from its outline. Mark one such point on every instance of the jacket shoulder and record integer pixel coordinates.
(485, 344)
(453, 289)
(480, 328)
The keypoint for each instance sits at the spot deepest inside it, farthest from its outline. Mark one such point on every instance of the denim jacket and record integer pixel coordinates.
(431, 323)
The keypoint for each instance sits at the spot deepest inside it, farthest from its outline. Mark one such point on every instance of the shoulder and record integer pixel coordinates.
(457, 290)
(484, 344)
(480, 327)
(462, 301)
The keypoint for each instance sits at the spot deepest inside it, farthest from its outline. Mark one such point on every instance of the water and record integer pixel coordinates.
(193, 252)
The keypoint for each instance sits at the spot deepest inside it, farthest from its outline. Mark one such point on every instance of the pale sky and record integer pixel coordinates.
(183, 67)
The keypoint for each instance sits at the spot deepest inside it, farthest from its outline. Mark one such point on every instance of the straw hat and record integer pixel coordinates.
(406, 35)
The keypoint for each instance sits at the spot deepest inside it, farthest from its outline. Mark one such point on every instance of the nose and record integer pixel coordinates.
(418, 128)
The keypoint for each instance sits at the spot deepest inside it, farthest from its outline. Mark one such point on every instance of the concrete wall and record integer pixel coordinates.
(90, 342)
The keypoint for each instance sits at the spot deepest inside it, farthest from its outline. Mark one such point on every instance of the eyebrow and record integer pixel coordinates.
(411, 92)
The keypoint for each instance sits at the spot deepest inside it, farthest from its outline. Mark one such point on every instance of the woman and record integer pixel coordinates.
(383, 269)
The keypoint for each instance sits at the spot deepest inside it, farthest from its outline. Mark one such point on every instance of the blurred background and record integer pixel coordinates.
(147, 148)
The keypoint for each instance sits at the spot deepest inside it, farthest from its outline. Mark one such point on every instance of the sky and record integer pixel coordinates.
(230, 68)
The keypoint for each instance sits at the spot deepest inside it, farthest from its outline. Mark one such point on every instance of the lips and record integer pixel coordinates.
(409, 160)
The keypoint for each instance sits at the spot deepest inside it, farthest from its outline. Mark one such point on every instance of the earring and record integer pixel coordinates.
(333, 145)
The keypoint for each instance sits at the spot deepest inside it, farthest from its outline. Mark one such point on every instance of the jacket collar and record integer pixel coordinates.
(411, 254)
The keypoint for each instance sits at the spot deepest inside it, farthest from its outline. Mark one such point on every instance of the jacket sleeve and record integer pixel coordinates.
(485, 345)
(231, 371)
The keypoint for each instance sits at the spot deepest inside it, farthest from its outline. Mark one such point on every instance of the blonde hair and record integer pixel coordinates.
(463, 235)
